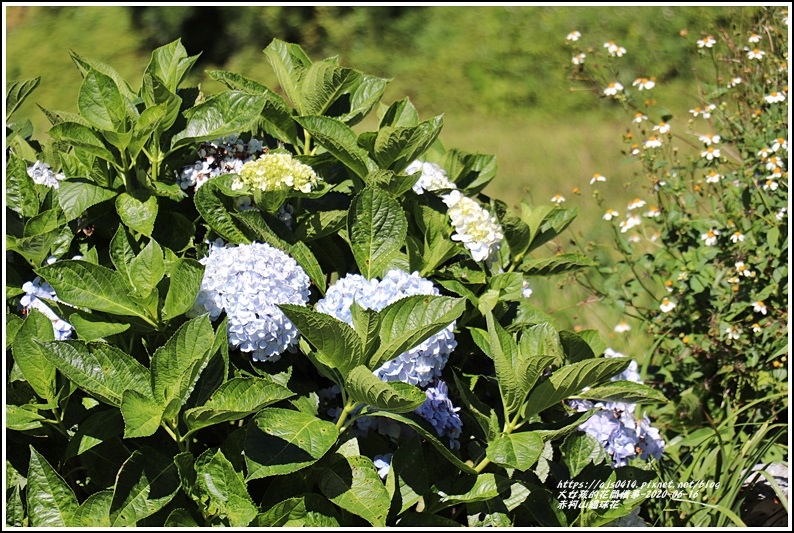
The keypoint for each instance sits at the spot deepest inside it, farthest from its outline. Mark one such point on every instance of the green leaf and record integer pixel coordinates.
(306, 259)
(215, 213)
(95, 429)
(30, 357)
(95, 510)
(363, 98)
(515, 450)
(409, 321)
(83, 284)
(86, 65)
(504, 352)
(340, 141)
(81, 137)
(366, 323)
(75, 195)
(397, 146)
(145, 484)
(16, 93)
(100, 369)
(558, 264)
(337, 344)
(324, 82)
(51, 502)
(400, 113)
(44, 222)
(142, 414)
(421, 426)
(222, 490)
(290, 63)
(147, 269)
(92, 327)
(218, 116)
(20, 190)
(410, 472)
(377, 229)
(515, 230)
(471, 172)
(280, 441)
(580, 450)
(138, 212)
(354, 485)
(170, 64)
(582, 345)
(236, 399)
(22, 418)
(180, 518)
(122, 253)
(307, 510)
(186, 276)
(571, 379)
(624, 391)
(472, 488)
(100, 103)
(539, 347)
(545, 222)
(176, 365)
(395, 396)
(150, 121)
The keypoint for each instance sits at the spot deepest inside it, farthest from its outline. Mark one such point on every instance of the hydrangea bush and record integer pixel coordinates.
(237, 310)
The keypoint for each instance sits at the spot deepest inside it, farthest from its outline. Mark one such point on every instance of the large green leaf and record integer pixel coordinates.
(290, 63)
(20, 190)
(170, 63)
(515, 450)
(398, 397)
(470, 489)
(410, 472)
(337, 344)
(215, 213)
(84, 284)
(624, 391)
(91, 327)
(353, 484)
(147, 269)
(503, 349)
(122, 253)
(218, 116)
(324, 82)
(142, 414)
(397, 146)
(471, 172)
(76, 195)
(377, 228)
(222, 490)
(30, 357)
(145, 484)
(17, 91)
(236, 399)
(186, 276)
(580, 450)
(340, 141)
(100, 103)
(138, 211)
(95, 510)
(51, 502)
(280, 441)
(86, 65)
(96, 428)
(100, 369)
(557, 264)
(82, 137)
(307, 510)
(176, 365)
(23, 418)
(409, 321)
(363, 98)
(571, 379)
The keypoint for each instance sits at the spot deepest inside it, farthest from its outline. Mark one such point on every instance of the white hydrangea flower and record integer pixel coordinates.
(475, 227)
(418, 366)
(279, 171)
(432, 177)
(247, 282)
(37, 290)
(41, 174)
(221, 156)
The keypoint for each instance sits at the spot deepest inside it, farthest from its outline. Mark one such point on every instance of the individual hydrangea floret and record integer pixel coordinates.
(36, 291)
(442, 414)
(616, 426)
(432, 178)
(279, 171)
(41, 174)
(247, 282)
(221, 156)
(419, 365)
(383, 464)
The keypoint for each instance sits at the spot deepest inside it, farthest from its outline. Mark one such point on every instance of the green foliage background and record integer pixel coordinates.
(498, 74)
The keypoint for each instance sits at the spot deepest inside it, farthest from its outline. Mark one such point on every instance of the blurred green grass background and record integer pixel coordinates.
(498, 74)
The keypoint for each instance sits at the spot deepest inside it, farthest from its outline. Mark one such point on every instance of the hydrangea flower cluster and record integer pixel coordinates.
(247, 282)
(278, 171)
(439, 411)
(616, 426)
(419, 365)
(221, 156)
(475, 227)
(41, 174)
(37, 290)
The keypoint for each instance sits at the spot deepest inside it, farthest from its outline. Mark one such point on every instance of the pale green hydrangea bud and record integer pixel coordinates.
(278, 171)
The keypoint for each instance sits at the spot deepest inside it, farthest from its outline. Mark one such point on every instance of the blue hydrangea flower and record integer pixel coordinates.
(36, 291)
(418, 366)
(442, 415)
(383, 464)
(616, 426)
(247, 282)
